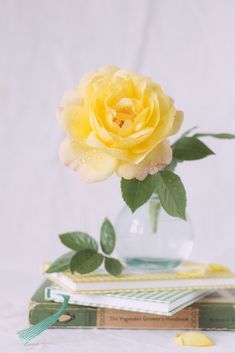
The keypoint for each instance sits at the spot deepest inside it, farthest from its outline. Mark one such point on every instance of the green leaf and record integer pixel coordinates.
(62, 263)
(172, 165)
(190, 148)
(186, 133)
(135, 192)
(113, 266)
(86, 261)
(171, 193)
(78, 241)
(107, 237)
(218, 136)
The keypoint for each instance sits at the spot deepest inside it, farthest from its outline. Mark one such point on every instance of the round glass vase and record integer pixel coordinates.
(151, 240)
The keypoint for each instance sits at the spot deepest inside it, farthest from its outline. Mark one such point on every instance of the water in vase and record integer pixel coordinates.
(151, 240)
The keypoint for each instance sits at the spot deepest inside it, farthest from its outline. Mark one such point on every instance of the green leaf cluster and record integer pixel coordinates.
(165, 183)
(85, 256)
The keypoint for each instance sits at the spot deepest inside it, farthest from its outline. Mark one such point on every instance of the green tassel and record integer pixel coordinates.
(28, 334)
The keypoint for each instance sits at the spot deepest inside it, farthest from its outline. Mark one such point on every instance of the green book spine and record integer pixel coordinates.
(215, 312)
(206, 317)
(216, 316)
(74, 316)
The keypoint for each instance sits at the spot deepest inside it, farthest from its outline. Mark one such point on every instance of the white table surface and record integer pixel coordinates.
(14, 310)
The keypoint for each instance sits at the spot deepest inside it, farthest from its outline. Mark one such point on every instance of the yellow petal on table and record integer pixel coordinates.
(154, 161)
(91, 164)
(196, 271)
(193, 339)
(213, 267)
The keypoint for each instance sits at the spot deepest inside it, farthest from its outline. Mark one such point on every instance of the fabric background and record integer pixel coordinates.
(186, 45)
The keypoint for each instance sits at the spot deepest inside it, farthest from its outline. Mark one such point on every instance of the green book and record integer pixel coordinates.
(214, 312)
(75, 316)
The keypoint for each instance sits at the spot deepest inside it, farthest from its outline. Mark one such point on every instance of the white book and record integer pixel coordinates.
(94, 283)
(161, 303)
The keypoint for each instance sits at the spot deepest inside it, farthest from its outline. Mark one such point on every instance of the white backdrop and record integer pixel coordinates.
(186, 45)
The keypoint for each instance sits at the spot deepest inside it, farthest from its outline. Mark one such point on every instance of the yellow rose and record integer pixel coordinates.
(117, 121)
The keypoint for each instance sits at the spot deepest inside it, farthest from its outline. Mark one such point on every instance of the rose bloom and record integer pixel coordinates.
(117, 121)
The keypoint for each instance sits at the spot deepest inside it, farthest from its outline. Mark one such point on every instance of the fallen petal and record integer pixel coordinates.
(193, 339)
(217, 268)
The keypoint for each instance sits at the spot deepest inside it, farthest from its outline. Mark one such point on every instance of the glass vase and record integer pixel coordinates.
(151, 240)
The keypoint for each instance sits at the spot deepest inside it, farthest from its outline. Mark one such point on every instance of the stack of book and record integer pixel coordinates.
(186, 299)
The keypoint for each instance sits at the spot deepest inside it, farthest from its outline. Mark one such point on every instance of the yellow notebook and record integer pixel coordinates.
(189, 276)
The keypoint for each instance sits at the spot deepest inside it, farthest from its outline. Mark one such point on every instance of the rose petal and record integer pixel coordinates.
(193, 339)
(121, 116)
(73, 120)
(91, 164)
(71, 96)
(154, 161)
(179, 118)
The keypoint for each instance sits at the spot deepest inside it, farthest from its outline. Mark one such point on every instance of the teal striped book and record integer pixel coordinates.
(161, 303)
